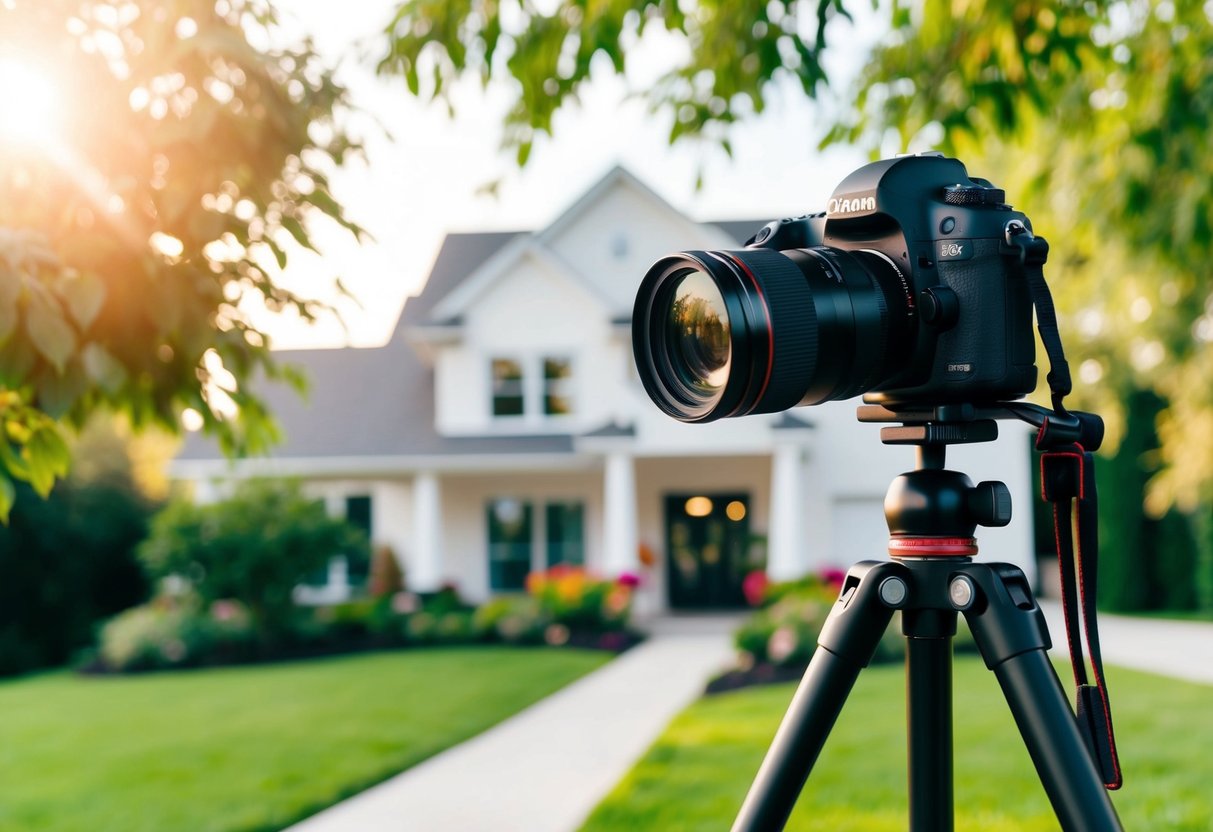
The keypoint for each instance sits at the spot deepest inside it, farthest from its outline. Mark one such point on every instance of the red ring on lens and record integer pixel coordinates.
(766, 311)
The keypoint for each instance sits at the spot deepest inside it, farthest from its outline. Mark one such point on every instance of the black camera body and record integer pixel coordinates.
(907, 289)
(946, 232)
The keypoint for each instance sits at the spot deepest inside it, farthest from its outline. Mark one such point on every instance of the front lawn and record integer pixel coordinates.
(695, 776)
(252, 748)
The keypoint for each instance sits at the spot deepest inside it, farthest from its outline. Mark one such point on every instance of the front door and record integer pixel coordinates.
(707, 538)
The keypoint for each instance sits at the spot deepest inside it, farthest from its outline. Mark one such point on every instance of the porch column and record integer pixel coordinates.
(620, 550)
(424, 573)
(788, 554)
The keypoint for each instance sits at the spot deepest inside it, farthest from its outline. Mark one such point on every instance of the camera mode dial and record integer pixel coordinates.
(974, 196)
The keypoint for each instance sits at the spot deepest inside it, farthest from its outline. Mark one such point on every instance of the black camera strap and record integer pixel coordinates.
(1068, 482)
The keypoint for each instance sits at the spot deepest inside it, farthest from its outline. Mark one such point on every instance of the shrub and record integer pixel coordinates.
(66, 563)
(574, 598)
(256, 546)
(513, 619)
(177, 632)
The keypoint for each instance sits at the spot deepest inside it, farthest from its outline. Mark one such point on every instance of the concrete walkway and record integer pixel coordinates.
(546, 768)
(1182, 649)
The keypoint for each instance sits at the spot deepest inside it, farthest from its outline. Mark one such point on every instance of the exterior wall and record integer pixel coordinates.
(529, 313)
(614, 240)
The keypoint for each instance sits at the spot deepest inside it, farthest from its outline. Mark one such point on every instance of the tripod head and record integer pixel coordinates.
(932, 512)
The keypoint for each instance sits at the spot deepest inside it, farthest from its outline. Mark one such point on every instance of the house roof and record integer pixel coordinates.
(380, 402)
(368, 402)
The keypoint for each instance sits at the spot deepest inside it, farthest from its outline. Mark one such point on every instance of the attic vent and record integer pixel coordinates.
(619, 246)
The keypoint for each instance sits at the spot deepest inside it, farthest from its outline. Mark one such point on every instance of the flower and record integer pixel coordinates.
(782, 644)
(754, 587)
(629, 580)
(556, 635)
(405, 603)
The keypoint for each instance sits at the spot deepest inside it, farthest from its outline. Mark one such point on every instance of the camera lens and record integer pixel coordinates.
(729, 333)
(697, 332)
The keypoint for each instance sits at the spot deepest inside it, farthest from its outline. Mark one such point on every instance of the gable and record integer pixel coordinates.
(534, 303)
(614, 239)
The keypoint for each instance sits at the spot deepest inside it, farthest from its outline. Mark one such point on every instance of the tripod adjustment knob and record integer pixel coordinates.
(989, 503)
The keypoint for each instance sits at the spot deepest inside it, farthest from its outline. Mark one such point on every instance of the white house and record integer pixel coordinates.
(503, 429)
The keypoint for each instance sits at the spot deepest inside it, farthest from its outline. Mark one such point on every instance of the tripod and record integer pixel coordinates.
(932, 514)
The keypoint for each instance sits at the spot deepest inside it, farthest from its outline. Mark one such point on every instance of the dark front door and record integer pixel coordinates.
(707, 536)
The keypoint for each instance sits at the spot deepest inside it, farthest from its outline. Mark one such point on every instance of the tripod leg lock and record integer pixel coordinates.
(1003, 615)
(863, 610)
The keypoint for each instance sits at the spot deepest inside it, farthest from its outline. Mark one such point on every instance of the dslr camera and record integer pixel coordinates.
(906, 288)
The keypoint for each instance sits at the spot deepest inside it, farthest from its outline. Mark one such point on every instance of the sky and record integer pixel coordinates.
(424, 178)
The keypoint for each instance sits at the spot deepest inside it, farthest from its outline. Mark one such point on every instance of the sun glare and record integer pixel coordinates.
(29, 104)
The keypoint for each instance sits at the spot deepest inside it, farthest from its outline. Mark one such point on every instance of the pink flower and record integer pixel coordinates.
(754, 587)
(834, 577)
(783, 643)
(629, 580)
(405, 603)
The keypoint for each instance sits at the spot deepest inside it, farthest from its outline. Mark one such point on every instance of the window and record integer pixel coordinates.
(508, 391)
(564, 533)
(513, 538)
(511, 535)
(557, 387)
(540, 387)
(358, 514)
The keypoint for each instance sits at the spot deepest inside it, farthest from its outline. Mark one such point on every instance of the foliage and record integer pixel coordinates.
(175, 631)
(733, 51)
(255, 547)
(67, 562)
(250, 749)
(577, 599)
(192, 154)
(695, 775)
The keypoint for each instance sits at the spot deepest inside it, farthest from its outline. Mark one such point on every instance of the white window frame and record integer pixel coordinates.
(534, 389)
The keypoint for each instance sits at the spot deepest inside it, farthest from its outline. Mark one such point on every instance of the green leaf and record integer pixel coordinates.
(102, 368)
(8, 495)
(296, 229)
(84, 294)
(50, 333)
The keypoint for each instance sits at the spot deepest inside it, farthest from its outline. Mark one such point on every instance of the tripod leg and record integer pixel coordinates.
(929, 717)
(848, 640)
(1010, 632)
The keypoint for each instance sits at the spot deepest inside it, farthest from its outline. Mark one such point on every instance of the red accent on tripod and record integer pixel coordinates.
(932, 547)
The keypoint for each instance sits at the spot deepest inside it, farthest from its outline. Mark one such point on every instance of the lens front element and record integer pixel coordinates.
(697, 334)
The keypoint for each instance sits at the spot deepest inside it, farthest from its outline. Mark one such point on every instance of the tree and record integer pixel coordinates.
(68, 560)
(1096, 116)
(145, 212)
(256, 547)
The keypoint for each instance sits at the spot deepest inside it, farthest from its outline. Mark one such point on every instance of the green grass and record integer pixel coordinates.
(248, 748)
(696, 774)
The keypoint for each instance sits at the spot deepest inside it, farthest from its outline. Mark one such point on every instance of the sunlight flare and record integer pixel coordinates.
(30, 104)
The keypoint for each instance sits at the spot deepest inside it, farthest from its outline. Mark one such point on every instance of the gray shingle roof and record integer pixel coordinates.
(380, 402)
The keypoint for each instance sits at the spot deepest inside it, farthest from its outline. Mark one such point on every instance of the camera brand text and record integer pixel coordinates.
(852, 205)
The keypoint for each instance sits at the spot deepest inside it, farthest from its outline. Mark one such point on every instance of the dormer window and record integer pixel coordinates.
(534, 388)
(509, 395)
(557, 387)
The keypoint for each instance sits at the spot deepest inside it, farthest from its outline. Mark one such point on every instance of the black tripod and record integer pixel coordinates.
(932, 514)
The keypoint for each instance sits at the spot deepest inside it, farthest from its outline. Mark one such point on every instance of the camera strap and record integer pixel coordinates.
(1068, 482)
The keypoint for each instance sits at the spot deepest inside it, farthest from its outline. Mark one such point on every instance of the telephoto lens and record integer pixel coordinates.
(730, 333)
